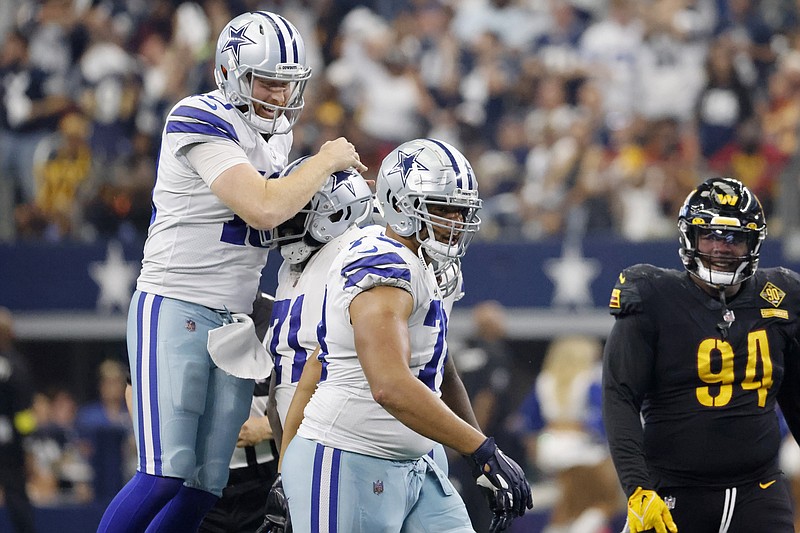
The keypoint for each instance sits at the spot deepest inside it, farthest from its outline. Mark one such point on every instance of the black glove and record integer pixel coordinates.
(508, 491)
(500, 519)
(277, 518)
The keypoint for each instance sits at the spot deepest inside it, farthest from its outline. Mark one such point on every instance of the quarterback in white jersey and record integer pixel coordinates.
(192, 229)
(213, 207)
(377, 410)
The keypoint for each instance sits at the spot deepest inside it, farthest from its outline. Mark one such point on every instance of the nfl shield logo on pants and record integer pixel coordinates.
(377, 487)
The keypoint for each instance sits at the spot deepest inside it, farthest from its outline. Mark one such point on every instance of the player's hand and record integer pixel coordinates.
(646, 511)
(500, 519)
(508, 491)
(342, 155)
(253, 431)
(277, 518)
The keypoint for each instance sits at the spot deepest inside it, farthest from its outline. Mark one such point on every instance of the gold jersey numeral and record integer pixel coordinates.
(718, 372)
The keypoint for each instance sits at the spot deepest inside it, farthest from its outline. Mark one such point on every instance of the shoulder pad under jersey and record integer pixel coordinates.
(629, 291)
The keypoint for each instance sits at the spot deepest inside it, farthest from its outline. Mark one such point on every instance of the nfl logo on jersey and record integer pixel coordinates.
(377, 487)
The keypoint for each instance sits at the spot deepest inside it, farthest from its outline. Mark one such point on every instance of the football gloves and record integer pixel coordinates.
(646, 511)
(504, 483)
(277, 518)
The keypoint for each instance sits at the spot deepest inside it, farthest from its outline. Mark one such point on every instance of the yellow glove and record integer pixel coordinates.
(646, 511)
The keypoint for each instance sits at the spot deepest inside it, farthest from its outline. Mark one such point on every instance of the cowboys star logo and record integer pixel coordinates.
(342, 178)
(406, 163)
(237, 39)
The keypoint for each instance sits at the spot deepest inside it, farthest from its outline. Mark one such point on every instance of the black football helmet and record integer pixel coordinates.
(724, 206)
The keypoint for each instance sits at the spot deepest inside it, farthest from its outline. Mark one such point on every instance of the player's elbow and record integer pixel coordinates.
(265, 217)
(387, 396)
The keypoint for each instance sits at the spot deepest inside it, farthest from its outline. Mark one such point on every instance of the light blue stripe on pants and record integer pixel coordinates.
(334, 491)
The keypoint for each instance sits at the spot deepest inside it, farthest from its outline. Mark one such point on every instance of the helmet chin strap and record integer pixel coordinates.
(727, 315)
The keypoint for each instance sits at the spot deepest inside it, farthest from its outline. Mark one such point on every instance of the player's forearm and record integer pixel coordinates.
(628, 362)
(455, 396)
(418, 408)
(266, 203)
(302, 394)
(626, 444)
(272, 412)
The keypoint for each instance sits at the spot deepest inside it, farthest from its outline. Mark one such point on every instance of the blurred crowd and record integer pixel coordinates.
(81, 452)
(54, 449)
(579, 116)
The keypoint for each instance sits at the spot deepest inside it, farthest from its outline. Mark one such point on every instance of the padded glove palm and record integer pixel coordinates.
(277, 518)
(507, 488)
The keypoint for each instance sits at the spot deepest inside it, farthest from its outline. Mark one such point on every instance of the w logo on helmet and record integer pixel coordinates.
(727, 199)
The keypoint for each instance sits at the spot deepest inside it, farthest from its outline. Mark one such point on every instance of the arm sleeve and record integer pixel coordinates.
(210, 159)
(628, 364)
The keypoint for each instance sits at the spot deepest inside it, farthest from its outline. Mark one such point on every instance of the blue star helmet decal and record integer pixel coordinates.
(406, 163)
(237, 39)
(343, 178)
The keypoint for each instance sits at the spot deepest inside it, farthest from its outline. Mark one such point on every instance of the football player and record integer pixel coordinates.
(693, 368)
(377, 412)
(202, 262)
(309, 242)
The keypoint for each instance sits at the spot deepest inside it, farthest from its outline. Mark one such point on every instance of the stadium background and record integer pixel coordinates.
(66, 273)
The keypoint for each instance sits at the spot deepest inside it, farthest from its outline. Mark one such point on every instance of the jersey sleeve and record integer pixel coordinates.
(789, 394)
(198, 119)
(374, 261)
(627, 296)
(628, 367)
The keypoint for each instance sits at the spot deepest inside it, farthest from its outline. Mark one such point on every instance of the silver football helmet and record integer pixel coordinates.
(343, 200)
(427, 175)
(262, 45)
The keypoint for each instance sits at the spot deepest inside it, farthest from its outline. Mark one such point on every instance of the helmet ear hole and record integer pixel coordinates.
(337, 216)
(395, 203)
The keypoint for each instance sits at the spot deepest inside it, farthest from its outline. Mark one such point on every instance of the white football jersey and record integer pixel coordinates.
(292, 334)
(342, 412)
(197, 249)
